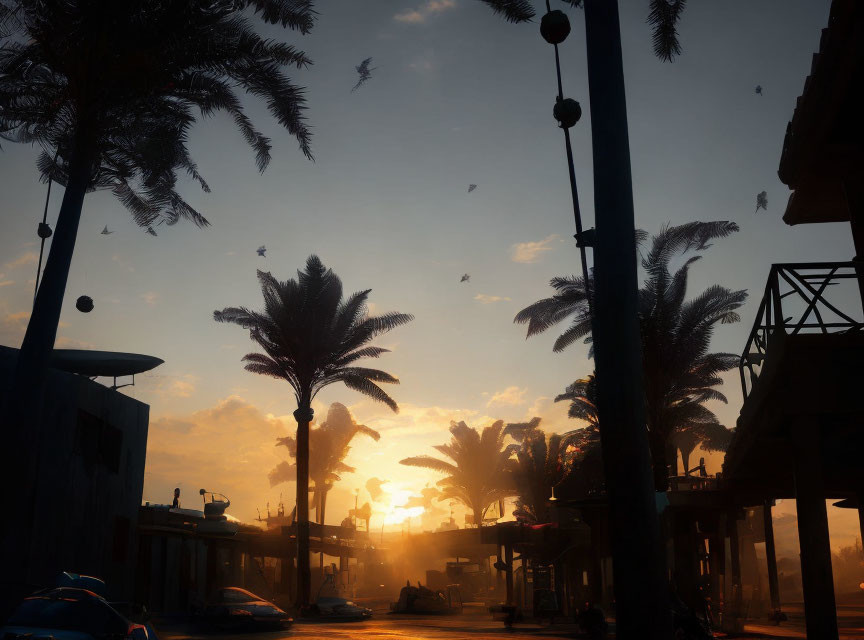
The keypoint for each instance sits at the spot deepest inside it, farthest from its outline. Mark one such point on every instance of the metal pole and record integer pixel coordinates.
(641, 588)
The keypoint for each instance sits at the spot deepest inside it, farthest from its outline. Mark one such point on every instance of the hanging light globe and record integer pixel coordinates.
(84, 304)
(44, 231)
(567, 112)
(555, 27)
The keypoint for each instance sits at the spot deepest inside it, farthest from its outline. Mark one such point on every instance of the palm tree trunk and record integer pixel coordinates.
(21, 431)
(322, 503)
(303, 416)
(41, 332)
(641, 589)
(685, 459)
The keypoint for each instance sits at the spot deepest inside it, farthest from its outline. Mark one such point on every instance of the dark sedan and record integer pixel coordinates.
(235, 607)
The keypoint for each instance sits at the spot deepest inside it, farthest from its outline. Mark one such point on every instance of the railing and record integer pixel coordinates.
(803, 298)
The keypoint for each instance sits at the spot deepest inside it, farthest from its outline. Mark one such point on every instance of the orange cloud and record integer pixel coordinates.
(510, 396)
(527, 252)
(422, 13)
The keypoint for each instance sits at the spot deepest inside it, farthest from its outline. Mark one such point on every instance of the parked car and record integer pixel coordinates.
(338, 610)
(235, 607)
(68, 613)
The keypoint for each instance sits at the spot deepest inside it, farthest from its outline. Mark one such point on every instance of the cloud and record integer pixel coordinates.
(487, 299)
(30, 257)
(65, 342)
(509, 396)
(5, 283)
(422, 13)
(182, 388)
(121, 262)
(226, 448)
(15, 323)
(150, 297)
(424, 62)
(373, 486)
(528, 252)
(169, 386)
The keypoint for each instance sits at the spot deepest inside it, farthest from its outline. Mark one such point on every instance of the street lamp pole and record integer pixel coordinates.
(641, 587)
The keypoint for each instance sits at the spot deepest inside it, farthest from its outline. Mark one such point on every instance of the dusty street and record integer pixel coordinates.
(476, 625)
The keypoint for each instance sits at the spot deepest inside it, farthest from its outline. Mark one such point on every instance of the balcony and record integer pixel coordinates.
(802, 370)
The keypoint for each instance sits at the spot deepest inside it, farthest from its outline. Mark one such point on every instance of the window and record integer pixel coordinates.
(98, 442)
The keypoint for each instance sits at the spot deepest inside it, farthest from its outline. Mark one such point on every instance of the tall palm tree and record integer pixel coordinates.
(329, 445)
(680, 373)
(311, 338)
(540, 466)
(710, 436)
(479, 471)
(110, 91)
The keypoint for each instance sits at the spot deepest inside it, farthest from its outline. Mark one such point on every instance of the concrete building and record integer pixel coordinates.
(90, 456)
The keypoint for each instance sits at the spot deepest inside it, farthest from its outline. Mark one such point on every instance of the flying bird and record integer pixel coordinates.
(759, 89)
(151, 231)
(262, 251)
(761, 201)
(105, 231)
(465, 277)
(364, 71)
(471, 187)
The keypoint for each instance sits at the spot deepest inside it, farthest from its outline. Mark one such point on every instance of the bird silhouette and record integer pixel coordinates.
(759, 89)
(761, 201)
(262, 251)
(471, 187)
(105, 231)
(365, 73)
(465, 277)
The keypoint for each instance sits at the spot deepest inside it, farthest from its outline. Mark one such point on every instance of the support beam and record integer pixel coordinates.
(771, 554)
(820, 609)
(854, 192)
(732, 608)
(508, 560)
(861, 517)
(717, 549)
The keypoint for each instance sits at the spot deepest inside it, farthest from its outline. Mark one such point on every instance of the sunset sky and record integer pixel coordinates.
(459, 96)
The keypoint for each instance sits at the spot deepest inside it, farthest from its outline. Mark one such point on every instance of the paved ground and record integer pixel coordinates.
(849, 618)
(477, 625)
(383, 626)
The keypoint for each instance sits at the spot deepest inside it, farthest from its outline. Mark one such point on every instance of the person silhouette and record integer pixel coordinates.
(176, 503)
(700, 468)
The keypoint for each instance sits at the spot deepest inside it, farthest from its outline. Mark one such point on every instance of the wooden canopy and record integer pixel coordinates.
(822, 150)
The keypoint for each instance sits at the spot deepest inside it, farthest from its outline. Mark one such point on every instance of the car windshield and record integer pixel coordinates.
(88, 616)
(238, 596)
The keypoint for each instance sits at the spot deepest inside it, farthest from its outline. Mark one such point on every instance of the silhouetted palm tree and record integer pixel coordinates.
(711, 436)
(110, 90)
(521, 430)
(582, 396)
(680, 374)
(480, 472)
(329, 445)
(540, 466)
(311, 338)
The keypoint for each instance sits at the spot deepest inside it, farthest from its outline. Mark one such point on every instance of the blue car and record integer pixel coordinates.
(68, 613)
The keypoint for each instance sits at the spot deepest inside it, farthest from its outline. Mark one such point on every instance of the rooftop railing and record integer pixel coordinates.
(803, 298)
